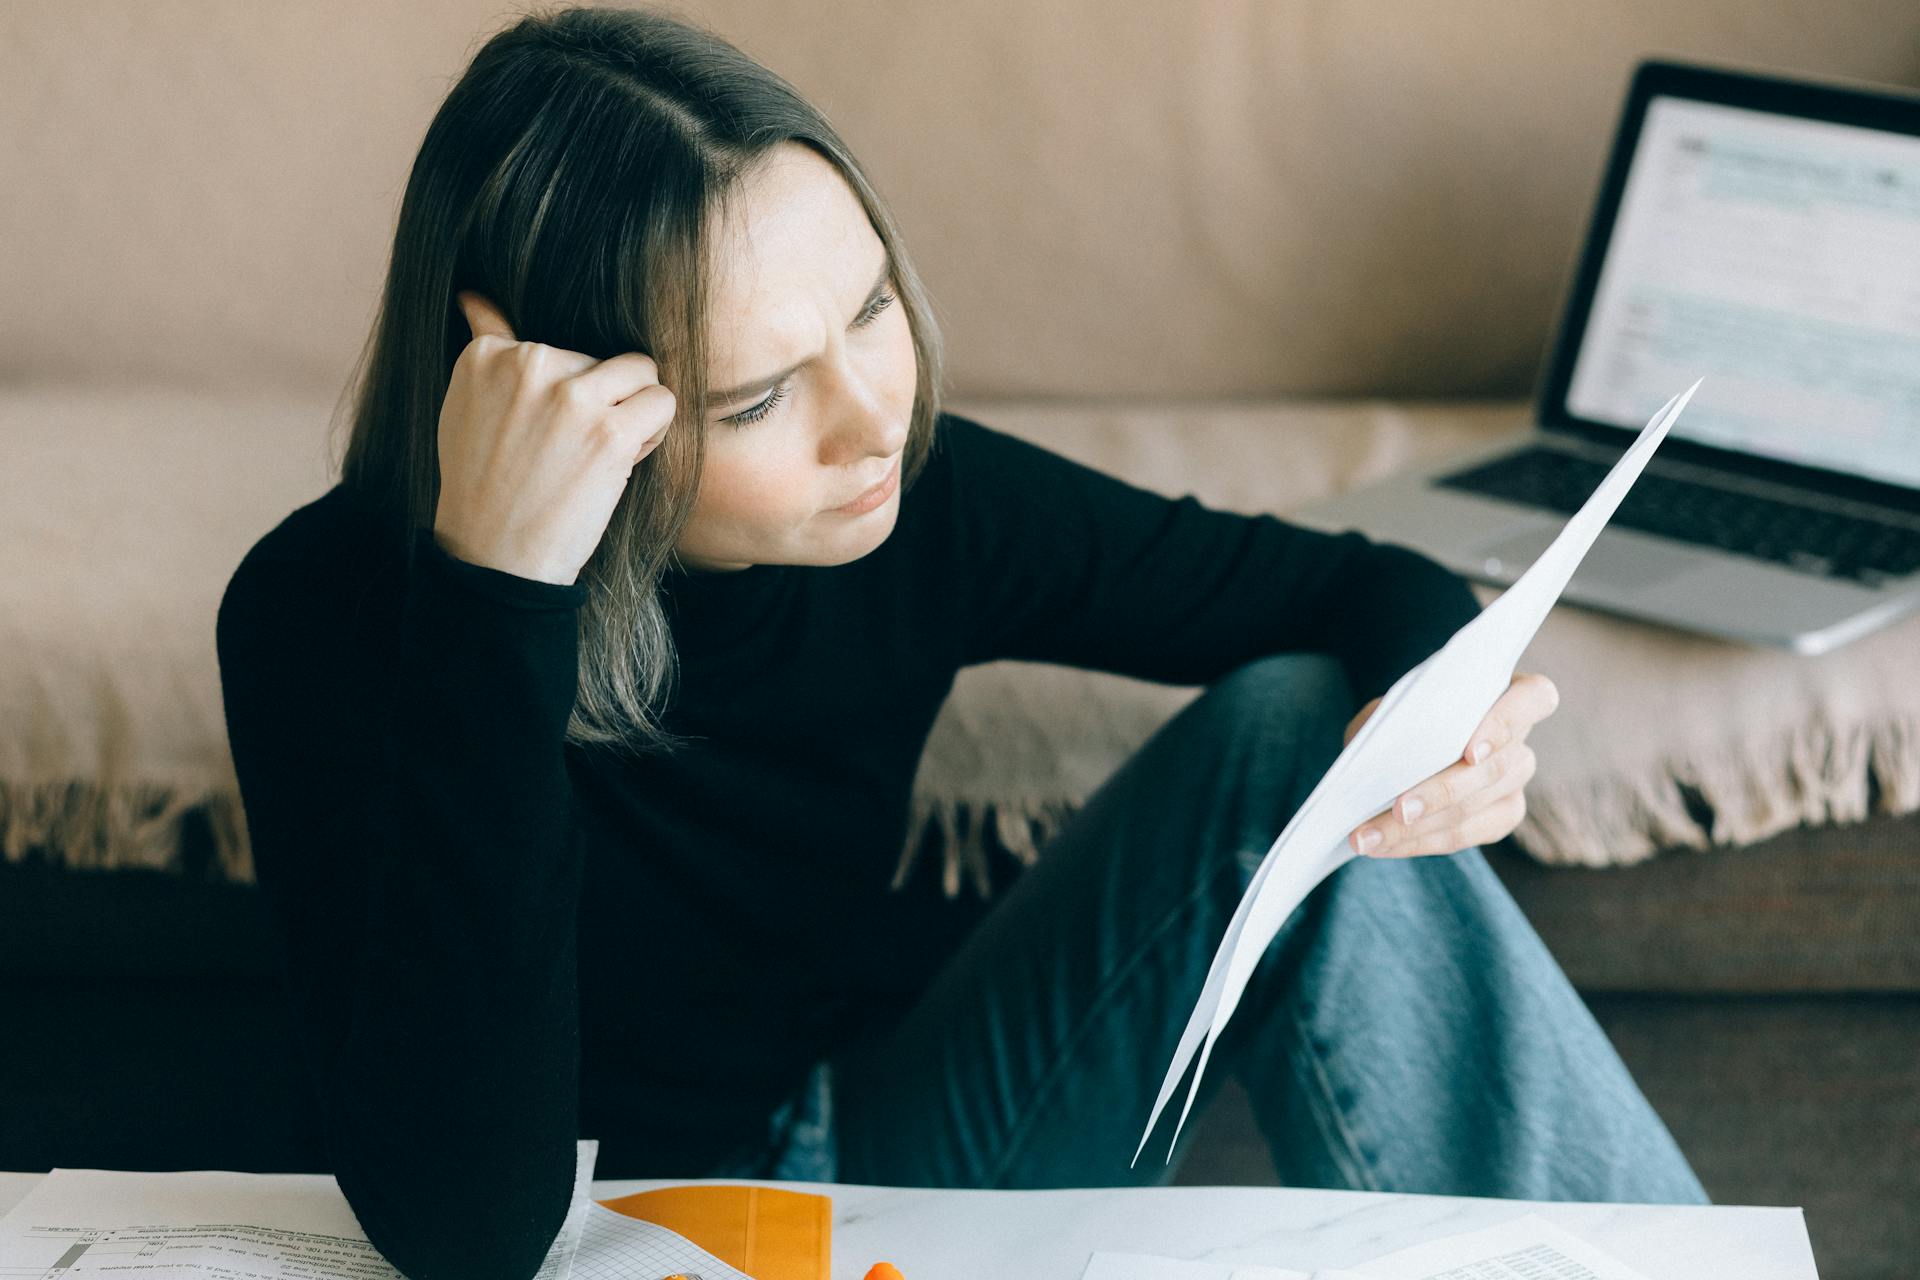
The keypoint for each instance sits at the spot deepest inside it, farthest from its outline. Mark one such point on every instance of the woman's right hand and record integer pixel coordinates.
(536, 446)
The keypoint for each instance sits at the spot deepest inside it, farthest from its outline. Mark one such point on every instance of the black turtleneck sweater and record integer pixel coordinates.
(498, 942)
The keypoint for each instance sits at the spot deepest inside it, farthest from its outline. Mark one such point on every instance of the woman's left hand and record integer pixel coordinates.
(1474, 801)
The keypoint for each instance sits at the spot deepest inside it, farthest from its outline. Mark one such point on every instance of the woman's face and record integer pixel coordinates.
(796, 271)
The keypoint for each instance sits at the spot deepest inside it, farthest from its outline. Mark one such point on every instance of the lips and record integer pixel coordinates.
(868, 492)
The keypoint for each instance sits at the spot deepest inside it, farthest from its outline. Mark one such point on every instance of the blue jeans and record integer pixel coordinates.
(1406, 1031)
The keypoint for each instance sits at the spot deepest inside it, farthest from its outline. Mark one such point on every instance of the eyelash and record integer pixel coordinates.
(747, 417)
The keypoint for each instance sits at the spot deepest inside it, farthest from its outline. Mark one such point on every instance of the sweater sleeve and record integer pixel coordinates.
(409, 813)
(1067, 564)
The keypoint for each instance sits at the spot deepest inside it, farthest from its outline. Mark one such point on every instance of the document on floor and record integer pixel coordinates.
(237, 1226)
(1525, 1248)
(1420, 727)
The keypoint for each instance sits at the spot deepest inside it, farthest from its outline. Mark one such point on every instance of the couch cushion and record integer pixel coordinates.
(1255, 199)
(1812, 910)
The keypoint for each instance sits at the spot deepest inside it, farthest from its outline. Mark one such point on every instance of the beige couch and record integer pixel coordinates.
(1257, 253)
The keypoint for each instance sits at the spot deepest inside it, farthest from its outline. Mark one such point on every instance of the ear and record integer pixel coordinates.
(482, 316)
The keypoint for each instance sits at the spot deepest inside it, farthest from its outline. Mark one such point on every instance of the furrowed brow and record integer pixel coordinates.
(758, 385)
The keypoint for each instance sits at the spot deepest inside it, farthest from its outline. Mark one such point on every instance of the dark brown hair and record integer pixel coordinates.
(574, 176)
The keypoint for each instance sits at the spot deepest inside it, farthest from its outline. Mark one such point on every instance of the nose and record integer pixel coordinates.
(863, 422)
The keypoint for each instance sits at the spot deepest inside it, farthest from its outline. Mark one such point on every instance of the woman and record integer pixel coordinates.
(576, 727)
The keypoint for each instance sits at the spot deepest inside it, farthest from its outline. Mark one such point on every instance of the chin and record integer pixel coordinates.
(867, 536)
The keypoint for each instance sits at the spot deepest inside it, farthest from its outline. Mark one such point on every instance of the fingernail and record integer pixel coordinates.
(1369, 840)
(1480, 750)
(1411, 808)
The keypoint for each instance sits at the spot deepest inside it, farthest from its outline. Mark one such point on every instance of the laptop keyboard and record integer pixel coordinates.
(1805, 538)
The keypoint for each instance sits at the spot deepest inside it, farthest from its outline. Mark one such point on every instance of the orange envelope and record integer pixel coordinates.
(768, 1233)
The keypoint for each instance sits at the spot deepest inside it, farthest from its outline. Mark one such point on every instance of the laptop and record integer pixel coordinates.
(1763, 233)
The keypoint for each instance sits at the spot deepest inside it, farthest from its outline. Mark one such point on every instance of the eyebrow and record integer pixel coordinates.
(767, 383)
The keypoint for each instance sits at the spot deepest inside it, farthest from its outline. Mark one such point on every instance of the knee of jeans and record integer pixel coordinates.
(1306, 694)
(1277, 723)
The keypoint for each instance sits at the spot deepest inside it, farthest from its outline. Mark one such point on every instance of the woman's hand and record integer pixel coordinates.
(536, 445)
(1475, 801)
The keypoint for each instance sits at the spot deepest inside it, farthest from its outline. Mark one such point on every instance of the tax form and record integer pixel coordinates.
(1420, 727)
(207, 1223)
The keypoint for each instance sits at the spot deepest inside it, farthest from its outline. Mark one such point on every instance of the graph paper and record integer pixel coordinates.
(616, 1247)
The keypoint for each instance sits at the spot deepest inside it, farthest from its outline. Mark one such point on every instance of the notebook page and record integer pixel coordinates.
(616, 1247)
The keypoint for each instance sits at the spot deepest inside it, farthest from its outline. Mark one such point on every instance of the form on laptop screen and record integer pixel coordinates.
(1780, 257)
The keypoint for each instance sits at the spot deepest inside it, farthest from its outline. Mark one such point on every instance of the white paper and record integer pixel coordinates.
(238, 1226)
(558, 1264)
(1524, 1248)
(616, 1247)
(1141, 1266)
(1420, 727)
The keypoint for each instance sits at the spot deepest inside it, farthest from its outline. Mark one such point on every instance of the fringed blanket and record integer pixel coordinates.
(1661, 741)
(122, 515)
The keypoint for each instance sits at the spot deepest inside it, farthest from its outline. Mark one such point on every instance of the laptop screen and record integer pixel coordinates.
(1780, 257)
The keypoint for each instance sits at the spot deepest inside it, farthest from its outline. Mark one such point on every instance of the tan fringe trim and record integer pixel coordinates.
(1813, 775)
(1021, 827)
(88, 827)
